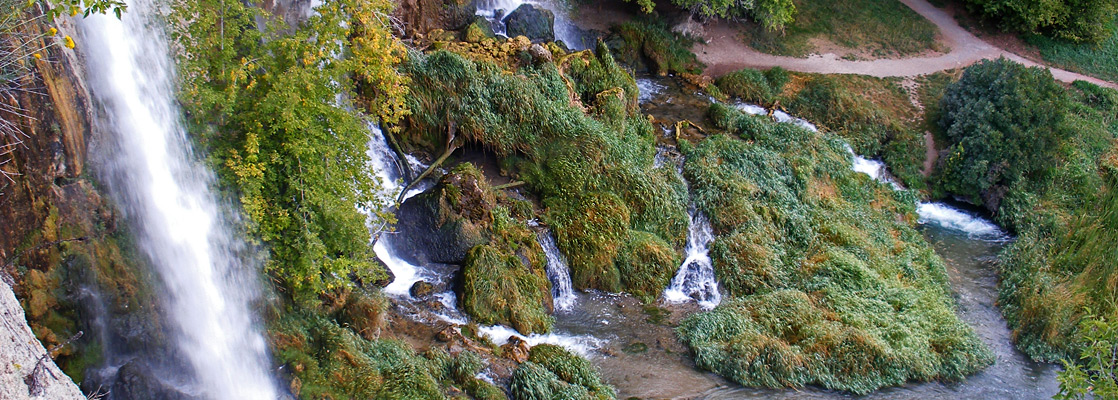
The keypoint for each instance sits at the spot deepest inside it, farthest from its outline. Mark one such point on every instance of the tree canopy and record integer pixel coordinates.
(772, 14)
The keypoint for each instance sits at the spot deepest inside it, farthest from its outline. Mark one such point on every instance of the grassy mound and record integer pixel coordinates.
(572, 132)
(874, 115)
(831, 284)
(880, 28)
(552, 372)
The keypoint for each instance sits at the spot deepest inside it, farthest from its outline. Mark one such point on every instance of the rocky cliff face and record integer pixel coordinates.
(26, 372)
(57, 235)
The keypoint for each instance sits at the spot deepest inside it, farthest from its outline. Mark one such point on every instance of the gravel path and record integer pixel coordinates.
(725, 52)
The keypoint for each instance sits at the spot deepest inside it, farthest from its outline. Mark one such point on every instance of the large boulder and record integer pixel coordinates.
(422, 16)
(536, 23)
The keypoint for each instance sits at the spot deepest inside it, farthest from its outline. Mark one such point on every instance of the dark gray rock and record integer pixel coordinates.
(537, 23)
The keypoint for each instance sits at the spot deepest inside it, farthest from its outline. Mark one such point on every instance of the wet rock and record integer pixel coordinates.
(25, 370)
(450, 334)
(540, 54)
(135, 380)
(422, 289)
(536, 23)
(442, 224)
(478, 31)
(422, 16)
(516, 349)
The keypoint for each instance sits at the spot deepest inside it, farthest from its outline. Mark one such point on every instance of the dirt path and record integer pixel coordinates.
(725, 52)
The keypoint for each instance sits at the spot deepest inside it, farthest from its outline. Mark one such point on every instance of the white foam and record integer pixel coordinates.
(405, 273)
(695, 279)
(562, 290)
(649, 89)
(752, 109)
(582, 345)
(948, 217)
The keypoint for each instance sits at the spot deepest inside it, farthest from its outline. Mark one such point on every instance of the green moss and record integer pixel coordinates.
(500, 288)
(648, 42)
(830, 284)
(594, 176)
(646, 265)
(753, 85)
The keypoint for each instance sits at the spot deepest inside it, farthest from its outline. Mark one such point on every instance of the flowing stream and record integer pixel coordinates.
(166, 193)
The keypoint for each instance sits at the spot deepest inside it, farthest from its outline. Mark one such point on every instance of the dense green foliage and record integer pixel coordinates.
(1096, 59)
(872, 28)
(328, 361)
(1003, 122)
(666, 52)
(593, 172)
(831, 285)
(874, 115)
(1094, 377)
(1042, 157)
(1074, 20)
(265, 107)
(552, 372)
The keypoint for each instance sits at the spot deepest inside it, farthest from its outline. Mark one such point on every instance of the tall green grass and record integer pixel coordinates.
(552, 372)
(830, 283)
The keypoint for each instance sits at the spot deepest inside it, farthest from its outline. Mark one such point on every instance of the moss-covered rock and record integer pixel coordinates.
(536, 23)
(552, 372)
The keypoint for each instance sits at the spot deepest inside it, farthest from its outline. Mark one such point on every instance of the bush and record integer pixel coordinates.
(1003, 122)
(1074, 20)
(830, 283)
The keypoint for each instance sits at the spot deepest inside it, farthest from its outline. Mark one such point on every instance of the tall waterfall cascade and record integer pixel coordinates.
(166, 192)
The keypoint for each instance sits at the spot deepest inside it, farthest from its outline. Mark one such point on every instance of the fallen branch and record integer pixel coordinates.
(510, 185)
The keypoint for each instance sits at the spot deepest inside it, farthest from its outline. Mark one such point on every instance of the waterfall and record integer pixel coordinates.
(152, 172)
(565, 29)
(695, 279)
(562, 291)
(948, 217)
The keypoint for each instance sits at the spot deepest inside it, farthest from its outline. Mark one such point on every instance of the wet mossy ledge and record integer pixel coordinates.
(463, 220)
(570, 128)
(830, 283)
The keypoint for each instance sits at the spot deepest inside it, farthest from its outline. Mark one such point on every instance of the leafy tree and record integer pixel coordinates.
(772, 14)
(1075, 20)
(1003, 121)
(1096, 373)
(275, 117)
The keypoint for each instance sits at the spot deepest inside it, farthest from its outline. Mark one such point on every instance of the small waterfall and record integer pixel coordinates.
(166, 193)
(388, 170)
(695, 279)
(648, 89)
(584, 345)
(947, 217)
(562, 291)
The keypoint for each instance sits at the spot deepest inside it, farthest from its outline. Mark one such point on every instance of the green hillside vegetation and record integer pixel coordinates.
(1055, 188)
(874, 115)
(830, 284)
(878, 28)
(1071, 20)
(1098, 59)
(573, 133)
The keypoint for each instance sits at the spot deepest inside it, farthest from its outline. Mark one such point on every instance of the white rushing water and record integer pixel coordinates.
(584, 345)
(948, 217)
(695, 279)
(167, 193)
(562, 290)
